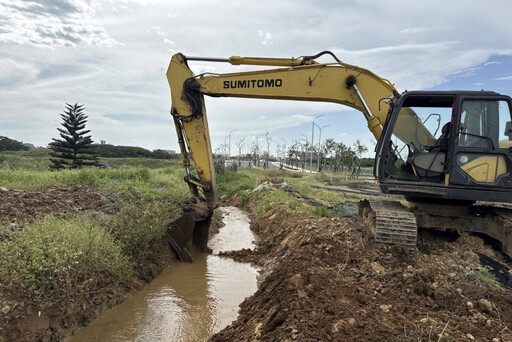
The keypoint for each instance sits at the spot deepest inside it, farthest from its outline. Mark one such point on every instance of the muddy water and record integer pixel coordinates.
(186, 302)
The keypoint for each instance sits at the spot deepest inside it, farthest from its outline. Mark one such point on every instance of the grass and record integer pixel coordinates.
(271, 198)
(244, 181)
(303, 186)
(147, 182)
(54, 258)
(482, 276)
(241, 182)
(138, 228)
(39, 160)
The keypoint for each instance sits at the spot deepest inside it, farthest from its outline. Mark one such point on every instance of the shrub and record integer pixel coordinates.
(7, 144)
(138, 227)
(52, 258)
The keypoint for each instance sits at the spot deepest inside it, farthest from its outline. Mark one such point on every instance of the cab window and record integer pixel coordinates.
(485, 124)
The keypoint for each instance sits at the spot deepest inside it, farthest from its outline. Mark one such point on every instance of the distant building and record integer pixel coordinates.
(170, 151)
(103, 142)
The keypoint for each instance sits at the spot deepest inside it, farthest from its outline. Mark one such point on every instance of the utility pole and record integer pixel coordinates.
(312, 140)
(269, 139)
(319, 146)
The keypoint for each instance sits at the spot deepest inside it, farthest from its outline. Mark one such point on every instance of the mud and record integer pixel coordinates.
(20, 207)
(325, 280)
(347, 209)
(352, 189)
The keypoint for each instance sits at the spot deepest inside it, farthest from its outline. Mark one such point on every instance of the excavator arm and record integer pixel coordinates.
(301, 79)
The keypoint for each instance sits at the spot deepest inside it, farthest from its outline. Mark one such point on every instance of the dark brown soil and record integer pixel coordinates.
(325, 280)
(20, 207)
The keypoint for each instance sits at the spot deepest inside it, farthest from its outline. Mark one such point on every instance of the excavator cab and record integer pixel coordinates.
(457, 147)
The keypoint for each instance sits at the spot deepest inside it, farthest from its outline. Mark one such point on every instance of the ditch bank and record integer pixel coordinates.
(57, 293)
(324, 279)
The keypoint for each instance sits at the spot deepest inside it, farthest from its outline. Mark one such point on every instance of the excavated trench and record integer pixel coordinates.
(187, 301)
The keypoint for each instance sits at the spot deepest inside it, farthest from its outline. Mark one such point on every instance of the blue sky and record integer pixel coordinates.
(112, 56)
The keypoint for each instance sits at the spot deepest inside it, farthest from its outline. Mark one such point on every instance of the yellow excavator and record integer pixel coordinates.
(447, 152)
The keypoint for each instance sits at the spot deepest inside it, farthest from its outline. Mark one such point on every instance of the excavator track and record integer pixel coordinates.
(389, 221)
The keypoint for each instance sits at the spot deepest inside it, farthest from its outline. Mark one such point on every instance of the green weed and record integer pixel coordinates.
(139, 227)
(304, 187)
(269, 199)
(54, 257)
(481, 276)
(237, 182)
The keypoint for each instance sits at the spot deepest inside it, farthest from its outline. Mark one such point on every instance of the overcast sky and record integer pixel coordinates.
(112, 56)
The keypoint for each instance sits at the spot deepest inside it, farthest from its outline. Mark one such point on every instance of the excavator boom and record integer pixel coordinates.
(455, 169)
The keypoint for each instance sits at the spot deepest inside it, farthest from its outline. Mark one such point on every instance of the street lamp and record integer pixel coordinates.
(284, 151)
(225, 147)
(312, 140)
(319, 146)
(307, 142)
(258, 145)
(229, 153)
(278, 154)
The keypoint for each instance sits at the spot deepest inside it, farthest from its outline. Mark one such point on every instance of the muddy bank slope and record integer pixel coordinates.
(56, 312)
(324, 279)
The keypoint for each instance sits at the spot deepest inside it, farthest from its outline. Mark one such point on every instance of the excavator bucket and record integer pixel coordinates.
(189, 235)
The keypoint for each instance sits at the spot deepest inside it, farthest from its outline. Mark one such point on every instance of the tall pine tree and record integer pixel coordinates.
(74, 149)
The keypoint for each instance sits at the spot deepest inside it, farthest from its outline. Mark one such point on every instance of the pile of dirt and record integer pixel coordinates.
(19, 207)
(326, 280)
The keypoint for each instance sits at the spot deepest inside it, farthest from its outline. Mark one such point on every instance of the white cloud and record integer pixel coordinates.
(13, 72)
(506, 78)
(51, 23)
(413, 30)
(112, 56)
(266, 37)
(491, 63)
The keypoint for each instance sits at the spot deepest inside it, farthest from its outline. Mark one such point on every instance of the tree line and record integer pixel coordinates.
(75, 148)
(7, 144)
(332, 155)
